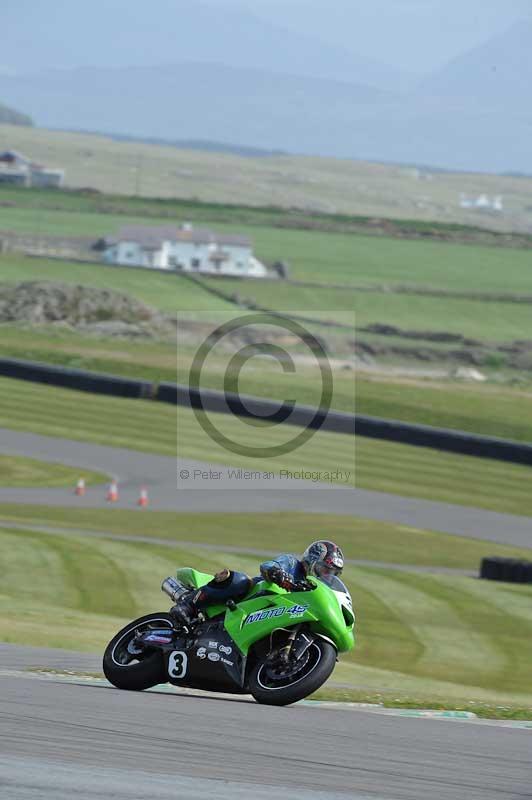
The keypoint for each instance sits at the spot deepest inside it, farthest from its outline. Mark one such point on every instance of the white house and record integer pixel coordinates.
(183, 248)
(482, 202)
(18, 170)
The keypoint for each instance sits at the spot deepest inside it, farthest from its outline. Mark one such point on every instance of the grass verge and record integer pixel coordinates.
(482, 710)
(18, 471)
(361, 539)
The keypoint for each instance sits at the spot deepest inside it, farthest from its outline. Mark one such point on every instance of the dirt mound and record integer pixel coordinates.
(86, 308)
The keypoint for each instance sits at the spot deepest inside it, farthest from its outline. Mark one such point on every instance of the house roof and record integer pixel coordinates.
(155, 235)
(10, 156)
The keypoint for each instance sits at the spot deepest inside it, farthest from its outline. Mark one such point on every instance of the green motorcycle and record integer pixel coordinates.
(279, 646)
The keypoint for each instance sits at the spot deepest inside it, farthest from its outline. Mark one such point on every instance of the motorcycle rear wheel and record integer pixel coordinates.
(135, 672)
(306, 677)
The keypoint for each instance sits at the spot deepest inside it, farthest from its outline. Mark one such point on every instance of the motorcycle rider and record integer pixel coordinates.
(321, 559)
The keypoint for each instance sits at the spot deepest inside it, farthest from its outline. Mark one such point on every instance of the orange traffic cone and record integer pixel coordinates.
(112, 492)
(80, 487)
(143, 498)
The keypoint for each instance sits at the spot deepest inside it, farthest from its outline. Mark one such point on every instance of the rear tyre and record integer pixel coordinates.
(130, 670)
(270, 685)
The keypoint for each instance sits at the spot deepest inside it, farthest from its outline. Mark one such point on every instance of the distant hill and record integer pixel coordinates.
(271, 111)
(192, 101)
(9, 116)
(117, 33)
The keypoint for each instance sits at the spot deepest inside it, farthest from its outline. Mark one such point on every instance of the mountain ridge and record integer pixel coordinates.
(175, 30)
(498, 71)
(272, 111)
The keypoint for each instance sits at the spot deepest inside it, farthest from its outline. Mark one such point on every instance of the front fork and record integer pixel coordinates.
(296, 646)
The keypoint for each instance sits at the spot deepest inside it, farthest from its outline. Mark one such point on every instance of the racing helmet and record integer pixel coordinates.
(323, 559)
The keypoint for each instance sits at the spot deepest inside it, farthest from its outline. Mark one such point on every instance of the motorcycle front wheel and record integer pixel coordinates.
(280, 684)
(126, 667)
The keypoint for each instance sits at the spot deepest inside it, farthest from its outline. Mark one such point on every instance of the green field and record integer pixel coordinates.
(321, 256)
(488, 321)
(319, 184)
(17, 471)
(426, 635)
(170, 293)
(382, 466)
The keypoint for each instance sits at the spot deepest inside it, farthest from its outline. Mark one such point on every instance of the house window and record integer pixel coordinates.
(195, 263)
(172, 261)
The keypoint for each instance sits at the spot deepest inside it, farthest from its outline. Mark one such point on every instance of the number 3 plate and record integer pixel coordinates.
(177, 664)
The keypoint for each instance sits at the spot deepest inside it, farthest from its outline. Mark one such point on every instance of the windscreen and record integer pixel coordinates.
(334, 583)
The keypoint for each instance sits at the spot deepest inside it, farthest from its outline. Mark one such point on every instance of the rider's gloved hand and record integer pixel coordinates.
(278, 576)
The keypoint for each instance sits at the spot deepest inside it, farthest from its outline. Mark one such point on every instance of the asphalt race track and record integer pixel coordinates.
(167, 492)
(64, 740)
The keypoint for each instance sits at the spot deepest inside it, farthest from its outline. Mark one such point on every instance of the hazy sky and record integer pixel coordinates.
(414, 35)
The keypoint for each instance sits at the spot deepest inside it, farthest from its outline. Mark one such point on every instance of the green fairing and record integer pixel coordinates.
(323, 614)
(191, 577)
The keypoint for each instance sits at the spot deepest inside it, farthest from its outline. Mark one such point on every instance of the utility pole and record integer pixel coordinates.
(138, 174)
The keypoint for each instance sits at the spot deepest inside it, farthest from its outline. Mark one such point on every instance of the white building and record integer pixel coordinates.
(183, 248)
(18, 170)
(482, 202)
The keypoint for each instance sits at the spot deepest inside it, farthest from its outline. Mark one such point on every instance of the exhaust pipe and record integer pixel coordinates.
(173, 588)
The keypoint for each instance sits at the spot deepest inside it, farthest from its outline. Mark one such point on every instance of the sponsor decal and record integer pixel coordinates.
(201, 652)
(229, 663)
(226, 650)
(270, 613)
(153, 637)
(214, 656)
(260, 616)
(297, 610)
(214, 645)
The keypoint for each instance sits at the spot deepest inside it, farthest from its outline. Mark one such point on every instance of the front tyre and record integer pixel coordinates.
(128, 668)
(277, 684)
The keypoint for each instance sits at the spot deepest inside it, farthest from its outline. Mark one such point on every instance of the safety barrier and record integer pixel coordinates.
(339, 422)
(451, 441)
(81, 380)
(248, 406)
(509, 570)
